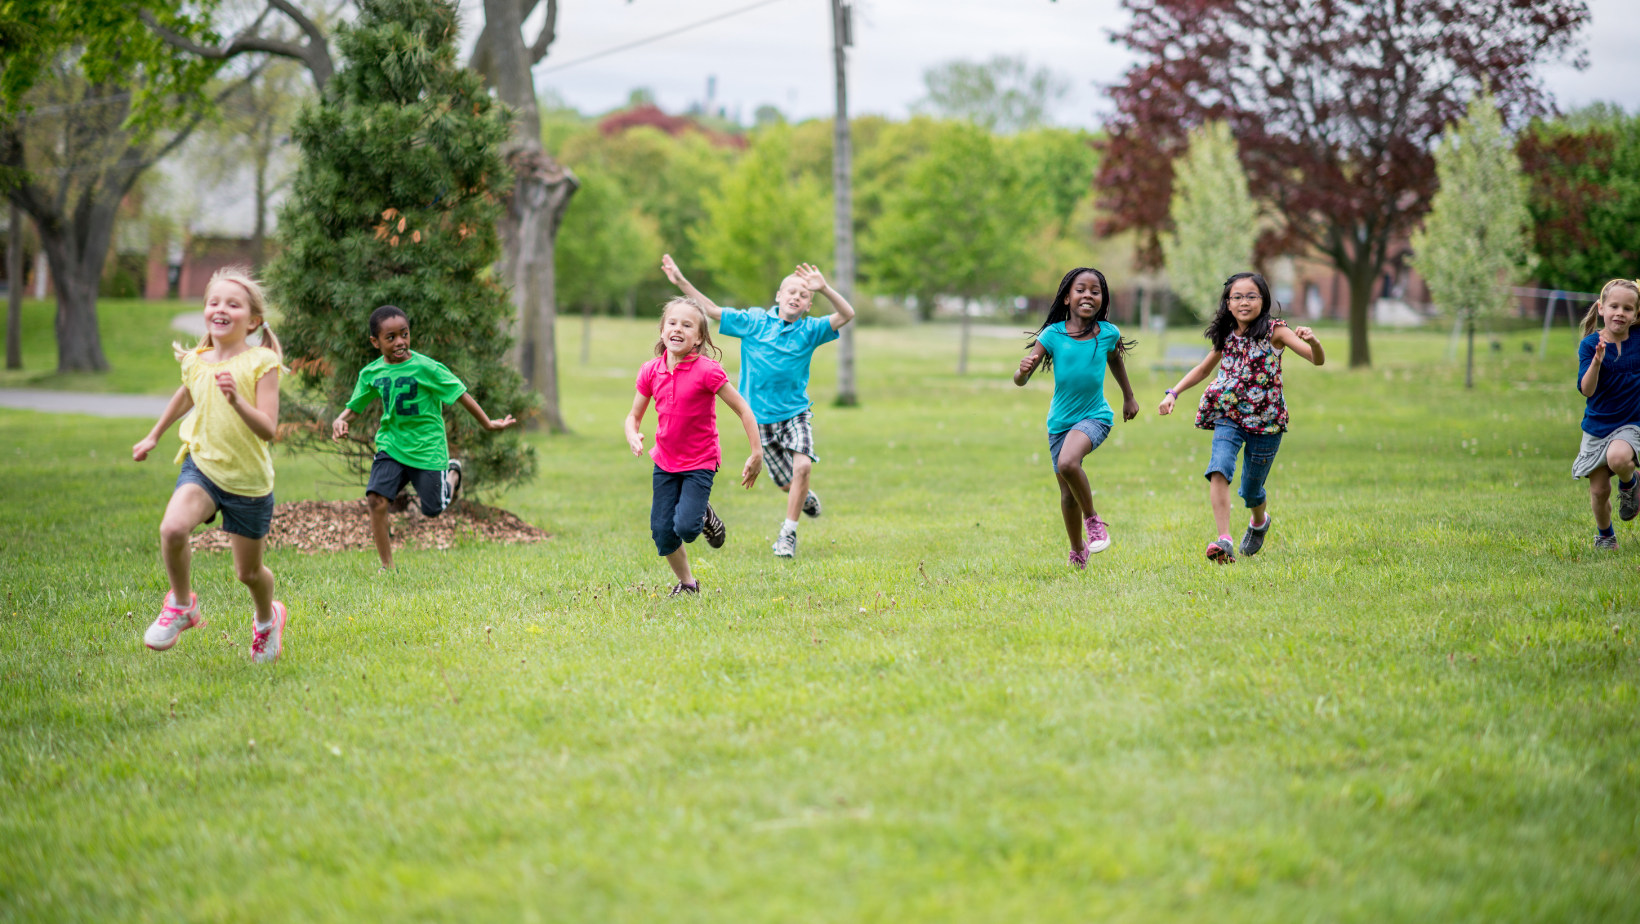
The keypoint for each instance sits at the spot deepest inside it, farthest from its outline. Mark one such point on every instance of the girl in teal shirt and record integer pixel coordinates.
(1078, 343)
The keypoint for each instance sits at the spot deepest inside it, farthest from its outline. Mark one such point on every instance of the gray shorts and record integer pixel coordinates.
(1592, 454)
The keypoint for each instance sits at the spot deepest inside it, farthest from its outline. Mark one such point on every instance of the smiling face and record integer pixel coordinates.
(1617, 311)
(393, 339)
(1246, 304)
(228, 317)
(793, 299)
(1085, 297)
(680, 330)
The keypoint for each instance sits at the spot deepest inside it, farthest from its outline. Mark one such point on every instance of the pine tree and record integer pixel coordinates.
(395, 202)
(1214, 220)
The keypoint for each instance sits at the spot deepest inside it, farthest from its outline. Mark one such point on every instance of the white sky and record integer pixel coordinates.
(780, 53)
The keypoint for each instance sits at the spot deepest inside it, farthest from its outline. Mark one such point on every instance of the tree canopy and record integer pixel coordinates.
(1585, 197)
(1214, 220)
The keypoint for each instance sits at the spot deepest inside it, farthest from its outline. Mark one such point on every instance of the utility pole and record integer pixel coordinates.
(842, 174)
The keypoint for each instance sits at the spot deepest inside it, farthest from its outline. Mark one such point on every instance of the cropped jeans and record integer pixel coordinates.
(1260, 454)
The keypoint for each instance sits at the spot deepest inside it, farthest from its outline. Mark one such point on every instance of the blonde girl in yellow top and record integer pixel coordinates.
(232, 387)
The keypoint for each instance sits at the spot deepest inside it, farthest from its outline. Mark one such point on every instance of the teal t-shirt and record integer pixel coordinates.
(413, 395)
(774, 359)
(1079, 375)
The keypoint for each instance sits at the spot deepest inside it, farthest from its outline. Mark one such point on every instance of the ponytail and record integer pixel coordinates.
(1591, 320)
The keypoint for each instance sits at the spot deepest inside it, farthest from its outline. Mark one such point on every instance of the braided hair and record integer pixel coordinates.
(1060, 310)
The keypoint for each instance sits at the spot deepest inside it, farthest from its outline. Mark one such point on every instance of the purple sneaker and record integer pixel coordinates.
(1098, 534)
(1079, 559)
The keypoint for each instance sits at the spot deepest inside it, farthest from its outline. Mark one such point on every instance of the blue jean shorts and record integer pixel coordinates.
(1096, 431)
(243, 516)
(1260, 454)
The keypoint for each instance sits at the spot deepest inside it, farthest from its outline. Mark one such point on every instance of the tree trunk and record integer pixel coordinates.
(1361, 285)
(586, 333)
(1469, 360)
(842, 175)
(14, 291)
(260, 231)
(962, 352)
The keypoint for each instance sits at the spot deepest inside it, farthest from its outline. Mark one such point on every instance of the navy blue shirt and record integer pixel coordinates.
(1616, 398)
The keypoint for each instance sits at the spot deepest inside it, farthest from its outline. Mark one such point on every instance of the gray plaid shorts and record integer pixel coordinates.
(780, 440)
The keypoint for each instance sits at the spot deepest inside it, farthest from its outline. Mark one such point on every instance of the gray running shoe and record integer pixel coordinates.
(1219, 550)
(1605, 542)
(811, 504)
(786, 545)
(713, 529)
(1628, 499)
(680, 588)
(1253, 539)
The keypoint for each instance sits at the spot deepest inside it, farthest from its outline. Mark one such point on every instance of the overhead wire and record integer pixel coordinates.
(657, 37)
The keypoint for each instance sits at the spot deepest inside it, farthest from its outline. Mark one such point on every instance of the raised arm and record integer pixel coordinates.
(467, 401)
(814, 281)
(1027, 366)
(1301, 340)
(1203, 370)
(181, 403)
(754, 462)
(1118, 368)
(675, 275)
(634, 418)
(1591, 377)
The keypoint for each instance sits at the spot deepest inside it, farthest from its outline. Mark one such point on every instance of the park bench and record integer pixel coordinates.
(1179, 358)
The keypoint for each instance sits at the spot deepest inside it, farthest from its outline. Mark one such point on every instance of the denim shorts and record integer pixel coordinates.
(1228, 439)
(243, 516)
(1096, 430)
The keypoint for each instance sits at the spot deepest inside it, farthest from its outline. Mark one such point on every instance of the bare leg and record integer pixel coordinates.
(1071, 476)
(679, 560)
(801, 464)
(1071, 510)
(378, 529)
(1600, 496)
(1620, 459)
(248, 567)
(1218, 491)
(189, 507)
(1259, 513)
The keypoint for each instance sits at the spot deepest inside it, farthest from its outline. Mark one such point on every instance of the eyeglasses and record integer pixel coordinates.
(1245, 298)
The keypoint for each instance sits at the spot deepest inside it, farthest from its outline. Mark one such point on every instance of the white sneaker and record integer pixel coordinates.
(267, 644)
(786, 545)
(172, 622)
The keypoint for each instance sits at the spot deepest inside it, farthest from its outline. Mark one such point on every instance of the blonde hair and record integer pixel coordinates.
(705, 347)
(257, 301)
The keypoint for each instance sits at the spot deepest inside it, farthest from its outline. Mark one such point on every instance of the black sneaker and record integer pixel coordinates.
(1628, 499)
(811, 504)
(713, 529)
(461, 478)
(680, 588)
(1253, 539)
(1219, 551)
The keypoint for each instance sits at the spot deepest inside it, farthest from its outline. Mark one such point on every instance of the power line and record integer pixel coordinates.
(656, 38)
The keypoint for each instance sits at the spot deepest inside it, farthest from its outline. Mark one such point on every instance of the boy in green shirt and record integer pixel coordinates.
(410, 444)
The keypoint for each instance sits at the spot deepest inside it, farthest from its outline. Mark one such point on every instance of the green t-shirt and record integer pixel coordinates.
(413, 395)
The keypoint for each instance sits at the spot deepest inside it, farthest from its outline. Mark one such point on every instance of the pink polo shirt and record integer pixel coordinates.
(686, 437)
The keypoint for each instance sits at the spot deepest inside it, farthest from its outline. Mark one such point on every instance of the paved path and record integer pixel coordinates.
(83, 402)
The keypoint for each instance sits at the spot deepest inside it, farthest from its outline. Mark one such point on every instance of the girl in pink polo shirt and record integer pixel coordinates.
(683, 382)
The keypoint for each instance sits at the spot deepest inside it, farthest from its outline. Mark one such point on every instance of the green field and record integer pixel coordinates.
(1417, 704)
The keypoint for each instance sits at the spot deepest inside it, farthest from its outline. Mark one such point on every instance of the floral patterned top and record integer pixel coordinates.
(1247, 392)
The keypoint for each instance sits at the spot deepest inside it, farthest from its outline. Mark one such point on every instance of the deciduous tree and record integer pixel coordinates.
(1585, 197)
(1337, 106)
(1214, 220)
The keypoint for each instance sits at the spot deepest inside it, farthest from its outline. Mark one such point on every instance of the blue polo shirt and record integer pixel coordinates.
(774, 359)
(1616, 399)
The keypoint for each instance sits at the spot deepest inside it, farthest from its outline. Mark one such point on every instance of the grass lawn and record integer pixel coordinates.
(1417, 704)
(136, 338)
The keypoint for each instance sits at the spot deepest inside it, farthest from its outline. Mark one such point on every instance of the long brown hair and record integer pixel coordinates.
(256, 301)
(705, 347)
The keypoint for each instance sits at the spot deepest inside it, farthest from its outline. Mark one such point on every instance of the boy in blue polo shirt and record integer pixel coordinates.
(776, 345)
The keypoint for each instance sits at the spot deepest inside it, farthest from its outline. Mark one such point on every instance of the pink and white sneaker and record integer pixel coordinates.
(267, 644)
(1098, 534)
(1079, 559)
(172, 622)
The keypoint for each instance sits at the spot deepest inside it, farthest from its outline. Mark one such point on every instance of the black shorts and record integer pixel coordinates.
(388, 476)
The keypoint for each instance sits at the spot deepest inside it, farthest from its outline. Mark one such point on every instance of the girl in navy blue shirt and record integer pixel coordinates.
(1608, 374)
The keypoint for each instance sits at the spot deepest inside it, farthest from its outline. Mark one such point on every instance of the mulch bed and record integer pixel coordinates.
(336, 526)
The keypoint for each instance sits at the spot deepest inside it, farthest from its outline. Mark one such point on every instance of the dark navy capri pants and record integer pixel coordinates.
(679, 508)
(1260, 454)
(243, 516)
